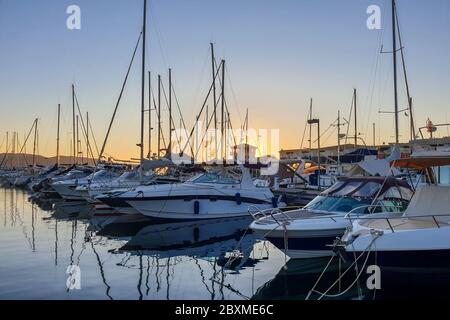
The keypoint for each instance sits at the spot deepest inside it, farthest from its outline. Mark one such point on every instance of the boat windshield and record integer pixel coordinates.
(214, 177)
(130, 175)
(338, 204)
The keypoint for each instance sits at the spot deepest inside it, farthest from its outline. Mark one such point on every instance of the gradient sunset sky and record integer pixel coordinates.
(279, 54)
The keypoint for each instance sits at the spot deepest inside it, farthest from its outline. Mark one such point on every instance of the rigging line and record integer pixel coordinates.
(158, 34)
(119, 99)
(201, 110)
(233, 93)
(171, 120)
(93, 137)
(206, 60)
(405, 75)
(26, 140)
(349, 119)
(323, 133)
(304, 131)
(84, 132)
(181, 114)
(158, 117)
(375, 65)
(203, 137)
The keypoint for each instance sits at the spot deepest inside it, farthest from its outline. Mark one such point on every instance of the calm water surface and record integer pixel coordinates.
(130, 258)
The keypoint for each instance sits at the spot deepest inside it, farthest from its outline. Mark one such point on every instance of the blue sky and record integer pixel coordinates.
(279, 54)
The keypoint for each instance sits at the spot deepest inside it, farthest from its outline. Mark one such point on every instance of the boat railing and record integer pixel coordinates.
(391, 227)
(285, 214)
(258, 213)
(354, 212)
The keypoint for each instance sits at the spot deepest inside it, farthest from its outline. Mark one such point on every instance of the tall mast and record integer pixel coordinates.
(339, 140)
(78, 140)
(223, 111)
(374, 134)
(213, 67)
(159, 115)
(34, 142)
(149, 115)
(169, 151)
(356, 118)
(73, 125)
(144, 29)
(310, 127)
(57, 135)
(394, 55)
(408, 94)
(88, 147)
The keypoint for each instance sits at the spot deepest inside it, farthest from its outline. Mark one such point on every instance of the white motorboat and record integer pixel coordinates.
(308, 232)
(421, 236)
(67, 189)
(128, 180)
(222, 193)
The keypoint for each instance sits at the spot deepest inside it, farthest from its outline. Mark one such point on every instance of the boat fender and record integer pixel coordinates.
(275, 202)
(196, 207)
(238, 199)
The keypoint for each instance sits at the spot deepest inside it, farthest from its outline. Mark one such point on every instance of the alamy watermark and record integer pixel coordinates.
(73, 21)
(374, 20)
(252, 146)
(73, 281)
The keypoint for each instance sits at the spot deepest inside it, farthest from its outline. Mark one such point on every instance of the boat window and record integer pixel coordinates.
(334, 187)
(215, 178)
(348, 188)
(391, 205)
(407, 194)
(393, 192)
(344, 204)
(370, 189)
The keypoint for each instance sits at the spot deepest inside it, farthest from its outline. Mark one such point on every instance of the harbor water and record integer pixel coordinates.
(59, 250)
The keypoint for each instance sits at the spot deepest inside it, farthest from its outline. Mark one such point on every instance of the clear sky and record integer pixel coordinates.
(279, 54)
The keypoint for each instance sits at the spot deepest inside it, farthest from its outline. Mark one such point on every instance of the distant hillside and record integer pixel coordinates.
(21, 160)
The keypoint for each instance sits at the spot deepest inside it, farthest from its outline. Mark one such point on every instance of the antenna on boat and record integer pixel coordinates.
(144, 30)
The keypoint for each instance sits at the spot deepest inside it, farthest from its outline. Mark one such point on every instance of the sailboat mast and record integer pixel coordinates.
(339, 140)
(169, 151)
(213, 67)
(149, 115)
(57, 135)
(73, 125)
(159, 115)
(394, 55)
(144, 29)
(88, 147)
(222, 145)
(310, 127)
(34, 143)
(356, 118)
(78, 141)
